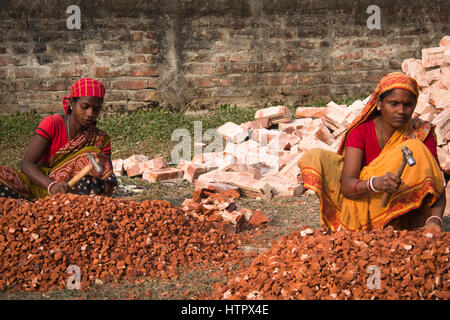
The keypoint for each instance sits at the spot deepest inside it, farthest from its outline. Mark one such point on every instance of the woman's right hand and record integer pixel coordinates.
(388, 183)
(60, 187)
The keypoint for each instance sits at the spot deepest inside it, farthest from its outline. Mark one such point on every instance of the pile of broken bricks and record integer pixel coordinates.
(107, 239)
(260, 157)
(317, 264)
(219, 207)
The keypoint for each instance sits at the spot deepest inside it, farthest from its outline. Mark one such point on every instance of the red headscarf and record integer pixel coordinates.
(84, 87)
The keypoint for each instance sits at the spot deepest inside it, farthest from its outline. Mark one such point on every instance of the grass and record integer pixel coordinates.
(149, 132)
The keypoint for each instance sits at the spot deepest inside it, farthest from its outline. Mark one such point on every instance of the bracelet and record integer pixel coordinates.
(356, 191)
(439, 218)
(50, 186)
(371, 184)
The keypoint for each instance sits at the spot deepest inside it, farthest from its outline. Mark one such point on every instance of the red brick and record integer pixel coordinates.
(414, 68)
(146, 71)
(132, 165)
(137, 59)
(257, 124)
(432, 57)
(200, 69)
(118, 167)
(27, 72)
(308, 112)
(152, 95)
(4, 60)
(154, 164)
(297, 67)
(3, 73)
(258, 219)
(162, 174)
(193, 171)
(47, 84)
(130, 84)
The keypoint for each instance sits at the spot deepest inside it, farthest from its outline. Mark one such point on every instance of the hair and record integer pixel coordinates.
(385, 94)
(74, 100)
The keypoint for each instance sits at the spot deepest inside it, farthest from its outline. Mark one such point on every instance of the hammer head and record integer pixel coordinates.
(408, 156)
(98, 168)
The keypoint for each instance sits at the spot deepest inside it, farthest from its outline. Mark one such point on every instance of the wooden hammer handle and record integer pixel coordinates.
(398, 173)
(80, 175)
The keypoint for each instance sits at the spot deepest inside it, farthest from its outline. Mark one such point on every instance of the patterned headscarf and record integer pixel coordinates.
(395, 80)
(84, 87)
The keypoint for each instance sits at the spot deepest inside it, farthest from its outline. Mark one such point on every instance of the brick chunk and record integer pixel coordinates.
(132, 165)
(432, 57)
(232, 132)
(415, 69)
(258, 219)
(333, 116)
(308, 112)
(275, 114)
(263, 123)
(162, 174)
(117, 167)
(297, 124)
(444, 160)
(154, 164)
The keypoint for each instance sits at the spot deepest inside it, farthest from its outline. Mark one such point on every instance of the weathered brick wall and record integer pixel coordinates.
(203, 53)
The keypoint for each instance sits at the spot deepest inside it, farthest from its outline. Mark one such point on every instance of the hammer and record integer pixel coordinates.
(98, 168)
(407, 159)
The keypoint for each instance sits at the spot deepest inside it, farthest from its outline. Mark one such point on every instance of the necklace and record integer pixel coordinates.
(67, 126)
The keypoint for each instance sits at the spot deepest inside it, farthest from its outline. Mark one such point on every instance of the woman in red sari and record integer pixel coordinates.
(350, 184)
(58, 150)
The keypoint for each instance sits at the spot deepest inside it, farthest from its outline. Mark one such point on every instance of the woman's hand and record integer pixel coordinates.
(60, 187)
(388, 183)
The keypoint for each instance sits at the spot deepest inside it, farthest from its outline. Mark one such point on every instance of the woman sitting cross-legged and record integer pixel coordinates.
(59, 148)
(350, 184)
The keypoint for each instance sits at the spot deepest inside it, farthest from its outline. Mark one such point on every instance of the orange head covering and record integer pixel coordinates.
(84, 87)
(395, 80)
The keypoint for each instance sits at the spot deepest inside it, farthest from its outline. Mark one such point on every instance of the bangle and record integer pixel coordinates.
(356, 191)
(50, 186)
(371, 184)
(439, 218)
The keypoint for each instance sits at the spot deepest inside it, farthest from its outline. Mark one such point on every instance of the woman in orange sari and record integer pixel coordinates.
(58, 150)
(350, 184)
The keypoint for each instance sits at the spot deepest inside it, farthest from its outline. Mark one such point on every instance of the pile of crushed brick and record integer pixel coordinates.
(222, 211)
(316, 264)
(107, 239)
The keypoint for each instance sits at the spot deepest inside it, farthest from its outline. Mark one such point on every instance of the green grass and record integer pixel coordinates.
(147, 132)
(15, 134)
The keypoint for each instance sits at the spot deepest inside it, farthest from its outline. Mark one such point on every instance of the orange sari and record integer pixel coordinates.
(423, 183)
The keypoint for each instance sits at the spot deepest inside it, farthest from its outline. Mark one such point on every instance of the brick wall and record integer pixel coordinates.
(200, 54)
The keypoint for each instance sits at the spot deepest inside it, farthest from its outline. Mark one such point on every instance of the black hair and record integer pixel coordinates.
(74, 100)
(385, 94)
